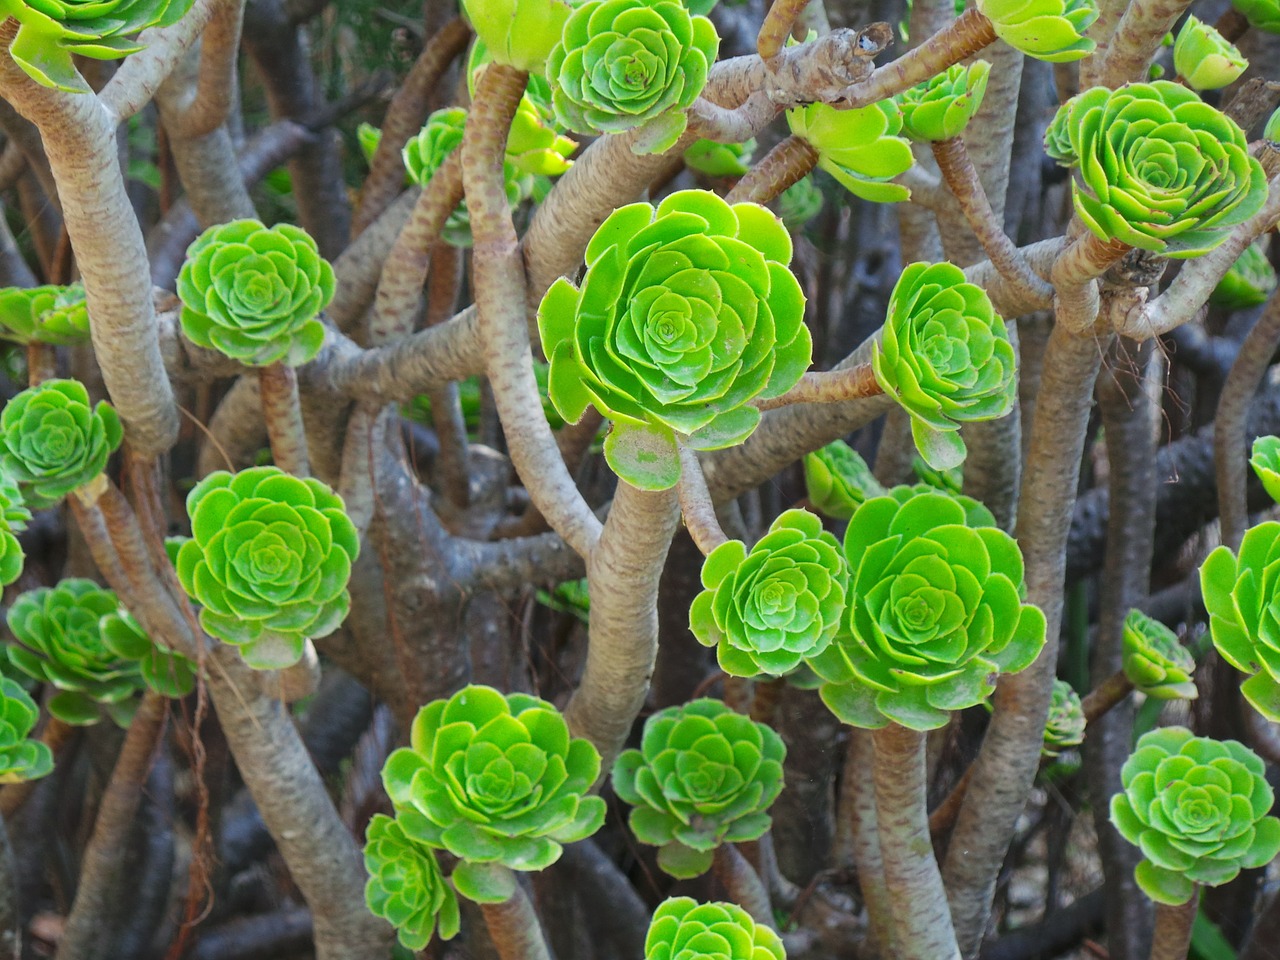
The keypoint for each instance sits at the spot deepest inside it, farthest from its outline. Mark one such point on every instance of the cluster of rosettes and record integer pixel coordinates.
(683, 929)
(48, 314)
(1154, 661)
(837, 480)
(704, 775)
(860, 147)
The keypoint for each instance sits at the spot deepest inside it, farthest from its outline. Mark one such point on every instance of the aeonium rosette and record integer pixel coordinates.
(687, 313)
(1263, 14)
(1051, 30)
(860, 148)
(1265, 460)
(49, 314)
(940, 108)
(683, 929)
(1248, 282)
(405, 885)
(1154, 661)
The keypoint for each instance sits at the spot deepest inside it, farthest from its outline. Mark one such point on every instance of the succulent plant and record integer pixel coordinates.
(518, 33)
(269, 560)
(767, 609)
(800, 203)
(686, 314)
(683, 929)
(1266, 464)
(52, 441)
(1198, 810)
(940, 108)
(719, 159)
(859, 147)
(704, 775)
(496, 779)
(1154, 661)
(1271, 130)
(1248, 282)
(50, 31)
(1066, 723)
(165, 671)
(1050, 30)
(945, 356)
(253, 293)
(406, 887)
(534, 146)
(837, 480)
(49, 314)
(1263, 14)
(934, 614)
(1159, 169)
(58, 629)
(950, 480)
(13, 520)
(20, 758)
(569, 597)
(1204, 58)
(627, 64)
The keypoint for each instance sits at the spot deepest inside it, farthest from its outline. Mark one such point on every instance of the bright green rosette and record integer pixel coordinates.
(838, 481)
(704, 775)
(1052, 30)
(20, 758)
(687, 313)
(1263, 14)
(940, 108)
(405, 885)
(683, 929)
(1265, 461)
(52, 315)
(14, 517)
(1197, 808)
(1249, 281)
(1154, 661)
(767, 609)
(860, 147)
(1204, 58)
(935, 612)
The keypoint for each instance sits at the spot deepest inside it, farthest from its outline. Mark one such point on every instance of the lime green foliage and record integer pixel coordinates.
(683, 929)
(20, 758)
(405, 885)
(800, 203)
(13, 520)
(1197, 808)
(704, 775)
(568, 597)
(837, 480)
(55, 315)
(719, 159)
(1050, 30)
(50, 31)
(1204, 58)
(496, 779)
(1249, 281)
(766, 610)
(534, 146)
(934, 612)
(1240, 593)
(1271, 132)
(253, 293)
(950, 480)
(61, 644)
(1154, 661)
(941, 108)
(1065, 726)
(1158, 168)
(859, 147)
(1266, 464)
(518, 33)
(626, 64)
(945, 356)
(52, 441)
(686, 314)
(269, 559)
(1263, 14)
(165, 671)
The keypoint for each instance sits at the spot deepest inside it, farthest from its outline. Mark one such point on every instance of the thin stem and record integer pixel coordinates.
(282, 412)
(514, 928)
(743, 884)
(944, 816)
(1107, 695)
(830, 386)
(784, 166)
(922, 927)
(695, 503)
(1173, 929)
(777, 26)
(42, 363)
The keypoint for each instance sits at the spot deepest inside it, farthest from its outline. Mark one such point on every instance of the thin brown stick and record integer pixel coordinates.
(777, 26)
(1110, 693)
(784, 166)
(830, 386)
(695, 503)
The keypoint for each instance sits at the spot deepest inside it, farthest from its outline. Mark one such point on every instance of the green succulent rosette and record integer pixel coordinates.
(935, 612)
(800, 203)
(720, 159)
(940, 108)
(1154, 661)
(571, 597)
(253, 293)
(767, 609)
(1158, 168)
(683, 929)
(52, 441)
(837, 480)
(496, 779)
(944, 355)
(20, 758)
(1204, 58)
(406, 887)
(1265, 461)
(1065, 726)
(51, 31)
(1263, 14)
(859, 147)
(49, 314)
(704, 775)
(518, 33)
(269, 560)
(60, 642)
(1050, 30)
(1249, 281)
(686, 314)
(1197, 808)
(950, 480)
(631, 64)
(14, 516)
(165, 671)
